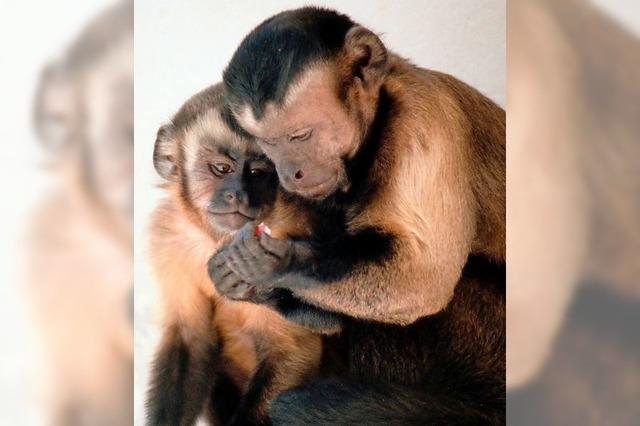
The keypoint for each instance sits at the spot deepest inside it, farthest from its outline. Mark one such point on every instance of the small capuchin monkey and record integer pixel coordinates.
(221, 358)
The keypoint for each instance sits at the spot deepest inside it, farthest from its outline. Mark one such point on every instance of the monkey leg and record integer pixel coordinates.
(280, 370)
(182, 376)
(223, 401)
(339, 401)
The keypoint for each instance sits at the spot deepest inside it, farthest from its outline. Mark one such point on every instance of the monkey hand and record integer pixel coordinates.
(227, 282)
(261, 259)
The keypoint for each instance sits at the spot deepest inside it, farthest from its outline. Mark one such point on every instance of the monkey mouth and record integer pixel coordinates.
(230, 221)
(237, 213)
(319, 191)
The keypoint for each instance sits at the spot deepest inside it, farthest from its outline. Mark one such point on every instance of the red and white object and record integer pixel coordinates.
(262, 228)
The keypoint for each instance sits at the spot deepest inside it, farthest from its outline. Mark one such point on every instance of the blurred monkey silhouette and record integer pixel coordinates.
(573, 216)
(80, 259)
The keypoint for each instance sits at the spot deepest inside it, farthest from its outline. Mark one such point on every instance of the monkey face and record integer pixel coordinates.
(226, 177)
(308, 137)
(242, 186)
(310, 105)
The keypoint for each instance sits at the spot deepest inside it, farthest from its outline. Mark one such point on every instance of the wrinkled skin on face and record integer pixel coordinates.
(230, 187)
(308, 137)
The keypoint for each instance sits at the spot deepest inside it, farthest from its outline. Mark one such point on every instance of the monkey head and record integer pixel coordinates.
(217, 172)
(310, 97)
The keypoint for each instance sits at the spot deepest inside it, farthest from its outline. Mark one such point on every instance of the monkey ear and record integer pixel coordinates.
(367, 55)
(165, 153)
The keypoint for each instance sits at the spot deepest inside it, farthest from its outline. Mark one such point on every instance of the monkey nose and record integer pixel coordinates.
(230, 195)
(299, 174)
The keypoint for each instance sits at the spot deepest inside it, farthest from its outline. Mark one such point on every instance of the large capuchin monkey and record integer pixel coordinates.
(403, 171)
(215, 355)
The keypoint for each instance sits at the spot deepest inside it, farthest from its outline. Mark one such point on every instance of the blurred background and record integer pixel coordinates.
(573, 212)
(66, 228)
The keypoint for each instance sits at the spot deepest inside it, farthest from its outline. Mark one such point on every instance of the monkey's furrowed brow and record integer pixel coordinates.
(217, 145)
(230, 152)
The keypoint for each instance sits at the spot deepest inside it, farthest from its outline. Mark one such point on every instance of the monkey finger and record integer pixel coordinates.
(227, 283)
(240, 291)
(216, 268)
(277, 247)
(245, 233)
(253, 247)
(256, 257)
(223, 282)
(236, 260)
(218, 260)
(234, 267)
(240, 253)
(247, 268)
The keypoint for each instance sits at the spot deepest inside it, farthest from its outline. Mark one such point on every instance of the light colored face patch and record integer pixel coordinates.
(247, 120)
(209, 127)
(309, 99)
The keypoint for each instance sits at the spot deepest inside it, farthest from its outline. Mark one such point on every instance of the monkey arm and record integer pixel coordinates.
(283, 301)
(394, 290)
(300, 312)
(368, 275)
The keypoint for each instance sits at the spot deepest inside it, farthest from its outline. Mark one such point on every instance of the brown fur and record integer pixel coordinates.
(223, 336)
(439, 213)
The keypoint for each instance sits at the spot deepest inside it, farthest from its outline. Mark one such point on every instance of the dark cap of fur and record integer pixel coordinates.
(278, 49)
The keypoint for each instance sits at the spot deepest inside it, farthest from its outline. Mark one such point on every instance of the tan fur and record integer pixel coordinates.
(181, 244)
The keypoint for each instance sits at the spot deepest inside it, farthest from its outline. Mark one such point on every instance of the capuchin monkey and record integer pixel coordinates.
(223, 355)
(403, 170)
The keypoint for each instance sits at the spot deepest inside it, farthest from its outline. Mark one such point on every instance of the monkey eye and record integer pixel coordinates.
(302, 135)
(220, 168)
(259, 166)
(267, 141)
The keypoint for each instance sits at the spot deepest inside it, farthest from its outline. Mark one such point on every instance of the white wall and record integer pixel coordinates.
(183, 46)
